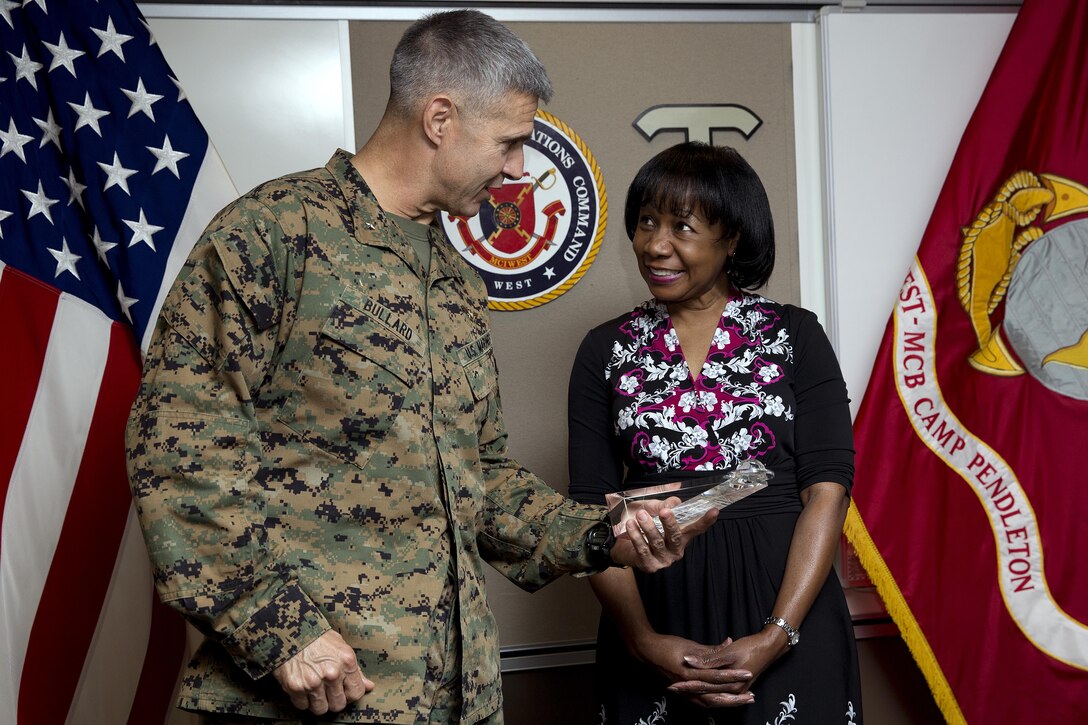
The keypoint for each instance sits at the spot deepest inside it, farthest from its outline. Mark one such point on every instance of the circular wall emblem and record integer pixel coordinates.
(536, 236)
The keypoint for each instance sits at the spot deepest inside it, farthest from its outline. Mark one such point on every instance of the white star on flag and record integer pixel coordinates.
(66, 261)
(75, 189)
(88, 114)
(39, 203)
(50, 130)
(14, 141)
(181, 91)
(102, 246)
(141, 100)
(79, 310)
(116, 174)
(167, 158)
(63, 55)
(111, 40)
(5, 11)
(25, 67)
(149, 33)
(125, 302)
(142, 231)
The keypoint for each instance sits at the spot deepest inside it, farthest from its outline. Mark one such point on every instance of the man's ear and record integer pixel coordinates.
(438, 117)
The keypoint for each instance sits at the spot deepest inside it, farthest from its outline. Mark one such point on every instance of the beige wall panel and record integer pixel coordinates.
(605, 75)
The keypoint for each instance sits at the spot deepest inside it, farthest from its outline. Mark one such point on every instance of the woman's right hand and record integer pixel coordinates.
(666, 653)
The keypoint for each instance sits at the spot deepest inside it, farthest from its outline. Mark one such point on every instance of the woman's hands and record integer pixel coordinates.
(713, 681)
(673, 658)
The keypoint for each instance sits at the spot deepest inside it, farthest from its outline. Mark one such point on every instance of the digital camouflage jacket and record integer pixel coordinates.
(318, 443)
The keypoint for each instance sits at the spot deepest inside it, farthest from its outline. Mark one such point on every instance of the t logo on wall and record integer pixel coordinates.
(697, 121)
(536, 236)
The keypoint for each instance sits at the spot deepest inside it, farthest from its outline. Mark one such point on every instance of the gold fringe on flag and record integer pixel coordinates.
(900, 613)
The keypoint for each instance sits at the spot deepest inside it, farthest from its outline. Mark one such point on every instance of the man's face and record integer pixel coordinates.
(482, 150)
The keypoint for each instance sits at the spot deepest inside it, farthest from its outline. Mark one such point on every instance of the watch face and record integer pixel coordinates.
(600, 538)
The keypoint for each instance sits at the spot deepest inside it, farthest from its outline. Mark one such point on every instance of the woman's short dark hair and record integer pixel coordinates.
(717, 181)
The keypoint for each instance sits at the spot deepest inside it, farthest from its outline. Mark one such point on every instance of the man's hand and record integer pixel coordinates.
(650, 550)
(324, 676)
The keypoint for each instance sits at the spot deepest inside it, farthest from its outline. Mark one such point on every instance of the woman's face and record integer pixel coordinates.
(681, 256)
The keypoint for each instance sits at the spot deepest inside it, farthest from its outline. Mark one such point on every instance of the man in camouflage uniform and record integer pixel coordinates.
(317, 451)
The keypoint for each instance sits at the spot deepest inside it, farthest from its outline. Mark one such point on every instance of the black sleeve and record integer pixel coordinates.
(595, 465)
(823, 434)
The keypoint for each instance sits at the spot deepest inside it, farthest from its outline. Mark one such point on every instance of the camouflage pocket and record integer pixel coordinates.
(477, 358)
(357, 380)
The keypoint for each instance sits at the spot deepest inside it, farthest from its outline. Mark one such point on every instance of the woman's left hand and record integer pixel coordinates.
(754, 653)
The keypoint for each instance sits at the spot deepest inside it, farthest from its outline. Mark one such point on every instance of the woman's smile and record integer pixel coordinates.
(663, 276)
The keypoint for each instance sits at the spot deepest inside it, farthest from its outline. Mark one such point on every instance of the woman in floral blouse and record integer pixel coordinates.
(752, 623)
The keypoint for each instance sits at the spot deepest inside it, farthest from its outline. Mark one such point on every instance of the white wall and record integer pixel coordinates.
(274, 95)
(898, 92)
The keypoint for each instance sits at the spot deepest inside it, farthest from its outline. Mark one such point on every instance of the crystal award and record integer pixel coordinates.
(697, 495)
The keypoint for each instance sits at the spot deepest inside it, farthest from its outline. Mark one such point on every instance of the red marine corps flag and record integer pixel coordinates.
(971, 504)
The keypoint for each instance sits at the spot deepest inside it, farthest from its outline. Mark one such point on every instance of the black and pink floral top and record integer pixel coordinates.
(770, 389)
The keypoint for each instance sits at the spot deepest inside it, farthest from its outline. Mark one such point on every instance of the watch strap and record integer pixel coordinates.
(792, 635)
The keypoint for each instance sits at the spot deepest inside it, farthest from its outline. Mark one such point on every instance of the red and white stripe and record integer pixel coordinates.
(83, 639)
(69, 377)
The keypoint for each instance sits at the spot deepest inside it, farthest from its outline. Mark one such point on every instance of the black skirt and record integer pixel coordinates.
(726, 586)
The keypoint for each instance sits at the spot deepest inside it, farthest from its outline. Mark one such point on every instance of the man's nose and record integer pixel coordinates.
(515, 164)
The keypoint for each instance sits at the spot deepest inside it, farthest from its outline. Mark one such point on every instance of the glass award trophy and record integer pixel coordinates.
(697, 496)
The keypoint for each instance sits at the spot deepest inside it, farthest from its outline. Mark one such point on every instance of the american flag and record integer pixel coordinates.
(106, 180)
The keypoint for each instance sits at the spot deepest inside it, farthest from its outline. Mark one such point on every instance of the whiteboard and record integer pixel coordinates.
(898, 90)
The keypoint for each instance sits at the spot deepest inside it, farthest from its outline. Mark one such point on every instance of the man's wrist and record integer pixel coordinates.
(599, 541)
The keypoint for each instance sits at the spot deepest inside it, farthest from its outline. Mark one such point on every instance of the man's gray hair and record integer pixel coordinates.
(467, 54)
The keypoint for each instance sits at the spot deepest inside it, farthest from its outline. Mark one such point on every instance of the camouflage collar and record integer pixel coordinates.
(447, 262)
(370, 216)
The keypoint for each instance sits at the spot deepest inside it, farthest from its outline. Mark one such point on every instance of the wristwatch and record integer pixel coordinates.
(599, 541)
(792, 635)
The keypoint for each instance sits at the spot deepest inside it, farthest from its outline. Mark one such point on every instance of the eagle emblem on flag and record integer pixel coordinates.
(1007, 256)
